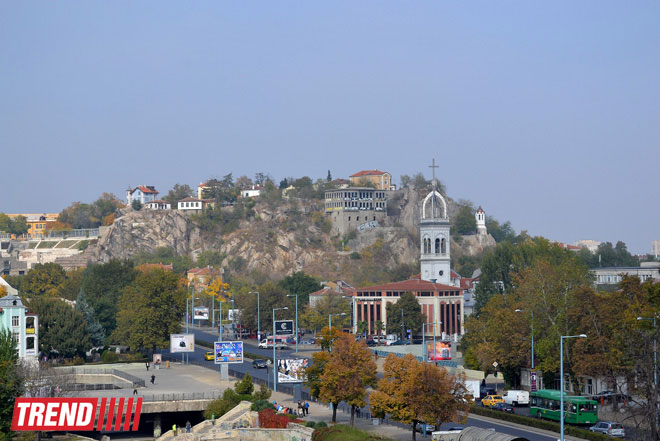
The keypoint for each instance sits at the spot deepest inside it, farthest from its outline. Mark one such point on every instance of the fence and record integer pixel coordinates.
(100, 371)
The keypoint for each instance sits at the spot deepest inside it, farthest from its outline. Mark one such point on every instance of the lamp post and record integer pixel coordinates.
(532, 324)
(330, 319)
(425, 353)
(655, 368)
(274, 353)
(561, 378)
(258, 316)
(353, 313)
(296, 296)
(193, 300)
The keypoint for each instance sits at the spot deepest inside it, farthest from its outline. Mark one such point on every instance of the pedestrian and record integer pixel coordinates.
(153, 378)
(357, 411)
(306, 407)
(174, 429)
(300, 407)
(187, 426)
(147, 364)
(134, 388)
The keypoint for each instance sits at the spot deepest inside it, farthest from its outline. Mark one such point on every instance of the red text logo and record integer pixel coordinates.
(76, 414)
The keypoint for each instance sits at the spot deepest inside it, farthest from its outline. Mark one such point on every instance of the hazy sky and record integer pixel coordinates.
(545, 113)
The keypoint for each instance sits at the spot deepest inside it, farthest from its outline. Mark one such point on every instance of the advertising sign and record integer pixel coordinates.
(533, 381)
(182, 343)
(442, 350)
(157, 359)
(228, 352)
(201, 313)
(76, 414)
(284, 327)
(292, 370)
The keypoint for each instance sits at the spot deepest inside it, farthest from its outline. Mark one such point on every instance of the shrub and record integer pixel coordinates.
(355, 255)
(310, 424)
(260, 405)
(109, 357)
(268, 419)
(263, 393)
(321, 424)
(244, 386)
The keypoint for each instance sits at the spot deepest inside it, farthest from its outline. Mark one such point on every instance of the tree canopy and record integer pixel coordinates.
(409, 309)
(81, 215)
(177, 193)
(17, 225)
(11, 381)
(43, 279)
(62, 329)
(464, 221)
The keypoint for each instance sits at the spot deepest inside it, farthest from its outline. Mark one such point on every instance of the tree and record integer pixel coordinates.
(18, 226)
(329, 177)
(4, 222)
(70, 288)
(94, 328)
(79, 215)
(404, 181)
(414, 392)
(465, 222)
(284, 183)
(408, 310)
(300, 283)
(62, 329)
(347, 374)
(177, 193)
(314, 372)
(11, 381)
(244, 182)
(103, 285)
(328, 336)
(501, 233)
(43, 279)
(150, 310)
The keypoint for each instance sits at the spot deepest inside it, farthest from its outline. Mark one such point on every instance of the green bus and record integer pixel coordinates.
(578, 410)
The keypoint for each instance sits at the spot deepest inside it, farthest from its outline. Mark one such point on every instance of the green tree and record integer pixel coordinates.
(103, 285)
(94, 328)
(300, 283)
(177, 193)
(136, 205)
(329, 177)
(80, 215)
(465, 222)
(11, 382)
(150, 310)
(18, 225)
(43, 279)
(408, 310)
(501, 233)
(5, 221)
(62, 329)
(70, 288)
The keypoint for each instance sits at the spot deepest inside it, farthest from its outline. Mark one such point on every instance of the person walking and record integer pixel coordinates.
(174, 429)
(153, 378)
(306, 407)
(134, 388)
(147, 364)
(187, 426)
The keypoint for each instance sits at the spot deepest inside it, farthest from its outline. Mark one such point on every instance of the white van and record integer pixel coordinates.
(391, 338)
(516, 397)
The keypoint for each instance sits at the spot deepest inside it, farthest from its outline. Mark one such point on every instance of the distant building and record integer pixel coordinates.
(567, 246)
(23, 326)
(201, 188)
(251, 192)
(158, 204)
(613, 275)
(591, 245)
(37, 224)
(200, 278)
(380, 179)
(340, 183)
(142, 193)
(655, 248)
(337, 288)
(194, 204)
(354, 208)
(480, 216)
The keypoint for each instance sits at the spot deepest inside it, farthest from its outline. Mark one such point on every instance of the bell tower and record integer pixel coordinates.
(435, 260)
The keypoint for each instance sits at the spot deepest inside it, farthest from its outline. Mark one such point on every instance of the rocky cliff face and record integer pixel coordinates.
(278, 240)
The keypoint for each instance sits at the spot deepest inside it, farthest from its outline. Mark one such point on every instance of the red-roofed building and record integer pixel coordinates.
(338, 288)
(142, 193)
(382, 180)
(439, 303)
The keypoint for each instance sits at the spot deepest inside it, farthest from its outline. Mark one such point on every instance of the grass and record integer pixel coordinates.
(32, 245)
(341, 432)
(46, 244)
(65, 243)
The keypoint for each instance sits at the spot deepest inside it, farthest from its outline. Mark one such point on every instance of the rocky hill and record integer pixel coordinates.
(275, 239)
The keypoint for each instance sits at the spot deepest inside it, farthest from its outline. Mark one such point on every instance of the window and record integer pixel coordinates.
(16, 336)
(437, 246)
(443, 246)
(14, 321)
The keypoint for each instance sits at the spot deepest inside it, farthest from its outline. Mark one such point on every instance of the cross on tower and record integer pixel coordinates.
(433, 167)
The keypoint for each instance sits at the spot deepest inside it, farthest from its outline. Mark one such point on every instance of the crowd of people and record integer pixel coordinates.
(303, 408)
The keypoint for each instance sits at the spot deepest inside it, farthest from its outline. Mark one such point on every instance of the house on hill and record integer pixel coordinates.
(380, 179)
(142, 193)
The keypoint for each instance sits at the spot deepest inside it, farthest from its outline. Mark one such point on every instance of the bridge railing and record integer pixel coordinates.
(183, 396)
(73, 370)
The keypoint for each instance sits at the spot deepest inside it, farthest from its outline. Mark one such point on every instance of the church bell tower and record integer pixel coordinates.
(434, 237)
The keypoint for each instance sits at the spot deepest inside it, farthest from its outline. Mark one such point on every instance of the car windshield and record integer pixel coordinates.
(497, 397)
(617, 426)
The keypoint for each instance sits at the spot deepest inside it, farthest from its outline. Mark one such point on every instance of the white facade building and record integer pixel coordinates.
(655, 248)
(252, 192)
(614, 275)
(480, 216)
(591, 245)
(158, 205)
(434, 237)
(142, 193)
(23, 326)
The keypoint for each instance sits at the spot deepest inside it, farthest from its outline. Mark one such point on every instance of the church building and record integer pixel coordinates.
(440, 300)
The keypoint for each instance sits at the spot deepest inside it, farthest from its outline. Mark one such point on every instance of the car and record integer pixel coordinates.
(489, 400)
(210, 355)
(611, 428)
(421, 426)
(455, 428)
(307, 342)
(503, 407)
(259, 364)
(417, 341)
(400, 343)
(371, 342)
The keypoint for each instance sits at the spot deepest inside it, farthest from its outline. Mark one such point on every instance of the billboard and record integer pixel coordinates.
(228, 352)
(182, 343)
(284, 327)
(201, 313)
(292, 370)
(442, 350)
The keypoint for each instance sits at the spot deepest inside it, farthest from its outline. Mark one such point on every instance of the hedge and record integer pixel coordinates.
(539, 423)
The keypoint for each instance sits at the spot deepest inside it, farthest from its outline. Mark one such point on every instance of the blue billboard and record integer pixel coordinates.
(228, 352)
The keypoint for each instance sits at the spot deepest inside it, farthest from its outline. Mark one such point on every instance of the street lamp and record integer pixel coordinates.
(296, 296)
(187, 320)
(532, 324)
(274, 353)
(353, 313)
(330, 319)
(561, 378)
(655, 367)
(258, 317)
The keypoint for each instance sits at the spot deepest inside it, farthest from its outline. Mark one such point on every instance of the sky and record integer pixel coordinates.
(547, 114)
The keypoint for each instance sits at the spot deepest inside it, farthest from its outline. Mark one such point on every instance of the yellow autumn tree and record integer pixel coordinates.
(218, 289)
(415, 392)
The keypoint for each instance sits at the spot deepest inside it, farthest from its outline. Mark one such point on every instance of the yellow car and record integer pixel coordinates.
(489, 400)
(209, 356)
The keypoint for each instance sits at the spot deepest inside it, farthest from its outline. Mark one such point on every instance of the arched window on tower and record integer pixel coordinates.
(427, 245)
(437, 246)
(443, 246)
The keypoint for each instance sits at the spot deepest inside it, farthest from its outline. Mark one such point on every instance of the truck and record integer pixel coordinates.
(473, 387)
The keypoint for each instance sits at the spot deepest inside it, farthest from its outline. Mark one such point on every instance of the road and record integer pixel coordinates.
(251, 346)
